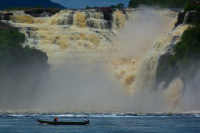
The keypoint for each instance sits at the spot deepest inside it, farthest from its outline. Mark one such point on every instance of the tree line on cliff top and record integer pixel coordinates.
(185, 61)
(120, 5)
(160, 3)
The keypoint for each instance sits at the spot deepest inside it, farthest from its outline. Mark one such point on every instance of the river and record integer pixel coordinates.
(102, 122)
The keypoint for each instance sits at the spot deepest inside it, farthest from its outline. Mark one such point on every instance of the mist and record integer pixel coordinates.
(21, 83)
(75, 87)
(191, 94)
(144, 27)
(82, 85)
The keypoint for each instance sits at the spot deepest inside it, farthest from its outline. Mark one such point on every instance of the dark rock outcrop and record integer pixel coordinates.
(5, 16)
(39, 12)
(107, 12)
(103, 9)
(166, 75)
(190, 14)
(108, 15)
(182, 15)
(5, 26)
(163, 59)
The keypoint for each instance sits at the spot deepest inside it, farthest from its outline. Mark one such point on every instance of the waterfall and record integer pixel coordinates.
(145, 78)
(77, 31)
(114, 42)
(85, 32)
(45, 14)
(186, 18)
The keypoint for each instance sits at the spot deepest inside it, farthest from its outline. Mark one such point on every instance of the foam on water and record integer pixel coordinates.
(110, 115)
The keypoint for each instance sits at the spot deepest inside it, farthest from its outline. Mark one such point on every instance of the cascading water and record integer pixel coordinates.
(186, 18)
(113, 50)
(149, 64)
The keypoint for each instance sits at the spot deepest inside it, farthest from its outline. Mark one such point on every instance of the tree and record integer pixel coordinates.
(113, 6)
(161, 3)
(120, 5)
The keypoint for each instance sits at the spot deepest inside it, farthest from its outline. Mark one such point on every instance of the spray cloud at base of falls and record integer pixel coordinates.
(98, 64)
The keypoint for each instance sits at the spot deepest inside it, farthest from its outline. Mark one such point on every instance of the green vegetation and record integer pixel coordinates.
(18, 8)
(21, 68)
(87, 7)
(11, 52)
(186, 59)
(160, 3)
(190, 7)
(120, 5)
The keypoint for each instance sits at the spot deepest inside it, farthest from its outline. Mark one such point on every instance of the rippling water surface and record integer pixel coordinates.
(104, 122)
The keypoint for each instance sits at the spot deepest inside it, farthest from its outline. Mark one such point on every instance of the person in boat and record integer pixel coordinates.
(86, 119)
(55, 119)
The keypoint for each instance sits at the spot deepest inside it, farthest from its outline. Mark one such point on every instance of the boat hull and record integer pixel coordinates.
(63, 123)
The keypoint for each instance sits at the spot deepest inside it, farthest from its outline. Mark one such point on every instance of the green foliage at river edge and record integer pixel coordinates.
(22, 69)
(186, 59)
(12, 53)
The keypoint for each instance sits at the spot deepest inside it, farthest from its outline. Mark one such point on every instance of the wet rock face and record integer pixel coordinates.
(103, 9)
(107, 11)
(182, 15)
(5, 26)
(164, 76)
(5, 16)
(164, 58)
(108, 15)
(189, 14)
(39, 12)
(162, 61)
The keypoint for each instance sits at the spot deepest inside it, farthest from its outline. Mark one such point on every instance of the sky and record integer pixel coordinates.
(90, 3)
